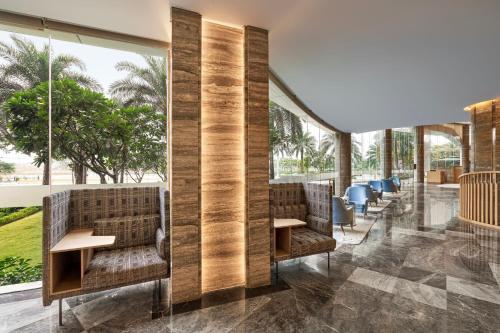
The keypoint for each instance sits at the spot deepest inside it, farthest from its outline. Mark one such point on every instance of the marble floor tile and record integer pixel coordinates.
(472, 289)
(20, 296)
(420, 269)
(470, 315)
(21, 313)
(495, 270)
(411, 232)
(373, 279)
(433, 279)
(427, 259)
(421, 293)
(51, 324)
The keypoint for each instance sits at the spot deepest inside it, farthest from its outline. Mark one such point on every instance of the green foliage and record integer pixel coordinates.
(18, 270)
(26, 66)
(403, 149)
(6, 168)
(19, 214)
(88, 129)
(143, 85)
(8, 210)
(23, 238)
(284, 129)
(26, 119)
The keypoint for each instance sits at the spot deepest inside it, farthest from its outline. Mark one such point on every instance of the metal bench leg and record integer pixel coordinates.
(60, 312)
(328, 261)
(159, 292)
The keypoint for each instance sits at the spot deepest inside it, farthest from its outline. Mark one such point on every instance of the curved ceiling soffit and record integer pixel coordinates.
(300, 104)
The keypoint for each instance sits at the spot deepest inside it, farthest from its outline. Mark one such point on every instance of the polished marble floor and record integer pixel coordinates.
(419, 270)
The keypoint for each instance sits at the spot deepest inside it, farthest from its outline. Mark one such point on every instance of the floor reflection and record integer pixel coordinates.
(420, 269)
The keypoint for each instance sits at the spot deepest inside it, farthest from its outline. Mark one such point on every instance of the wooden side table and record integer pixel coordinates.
(283, 237)
(70, 257)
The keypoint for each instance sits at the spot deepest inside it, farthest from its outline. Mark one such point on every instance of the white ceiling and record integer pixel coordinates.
(359, 64)
(143, 18)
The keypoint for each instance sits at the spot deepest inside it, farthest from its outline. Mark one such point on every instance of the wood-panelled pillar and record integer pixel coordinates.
(343, 162)
(419, 153)
(485, 126)
(219, 136)
(185, 145)
(387, 154)
(257, 157)
(465, 148)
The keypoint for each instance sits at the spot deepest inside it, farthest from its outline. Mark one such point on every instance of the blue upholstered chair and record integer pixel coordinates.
(397, 182)
(356, 195)
(342, 214)
(377, 187)
(370, 193)
(388, 186)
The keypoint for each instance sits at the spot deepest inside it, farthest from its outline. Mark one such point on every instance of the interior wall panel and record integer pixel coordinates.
(483, 145)
(222, 158)
(257, 157)
(185, 155)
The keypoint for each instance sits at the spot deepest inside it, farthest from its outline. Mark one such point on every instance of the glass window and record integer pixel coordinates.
(109, 121)
(366, 156)
(442, 151)
(300, 150)
(107, 115)
(403, 151)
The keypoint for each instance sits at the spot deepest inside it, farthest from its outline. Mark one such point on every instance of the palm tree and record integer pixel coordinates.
(403, 146)
(328, 143)
(284, 128)
(356, 155)
(143, 85)
(373, 156)
(26, 66)
(304, 144)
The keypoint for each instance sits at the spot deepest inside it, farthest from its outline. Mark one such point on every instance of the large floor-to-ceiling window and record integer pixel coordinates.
(442, 152)
(300, 149)
(366, 155)
(403, 153)
(75, 112)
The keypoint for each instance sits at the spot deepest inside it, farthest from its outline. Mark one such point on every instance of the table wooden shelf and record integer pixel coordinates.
(283, 237)
(70, 257)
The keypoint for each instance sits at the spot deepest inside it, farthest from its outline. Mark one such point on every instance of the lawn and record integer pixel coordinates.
(23, 238)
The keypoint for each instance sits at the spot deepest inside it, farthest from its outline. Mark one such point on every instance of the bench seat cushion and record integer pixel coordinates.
(129, 230)
(124, 266)
(306, 241)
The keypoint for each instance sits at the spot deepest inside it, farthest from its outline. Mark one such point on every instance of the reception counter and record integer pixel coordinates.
(436, 176)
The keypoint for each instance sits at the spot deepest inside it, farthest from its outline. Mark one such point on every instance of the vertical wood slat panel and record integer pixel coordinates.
(257, 157)
(479, 199)
(184, 140)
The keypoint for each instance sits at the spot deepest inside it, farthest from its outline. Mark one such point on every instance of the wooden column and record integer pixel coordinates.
(257, 157)
(419, 153)
(185, 155)
(465, 149)
(387, 154)
(343, 160)
(483, 122)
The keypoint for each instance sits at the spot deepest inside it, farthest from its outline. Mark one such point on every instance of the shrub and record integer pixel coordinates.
(18, 270)
(8, 210)
(19, 214)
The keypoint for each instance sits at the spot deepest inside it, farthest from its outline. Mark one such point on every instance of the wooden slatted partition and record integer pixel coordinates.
(479, 198)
